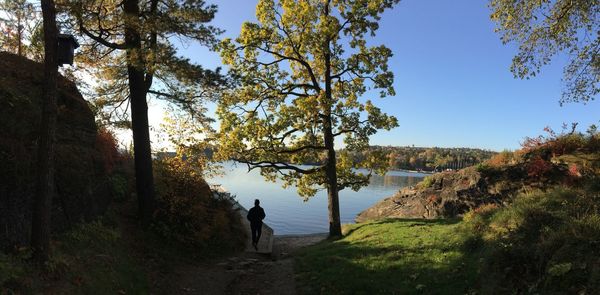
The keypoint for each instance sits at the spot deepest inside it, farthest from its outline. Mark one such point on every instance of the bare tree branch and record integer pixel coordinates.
(102, 40)
(277, 165)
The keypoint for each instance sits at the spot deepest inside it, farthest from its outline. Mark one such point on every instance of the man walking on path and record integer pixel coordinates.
(256, 216)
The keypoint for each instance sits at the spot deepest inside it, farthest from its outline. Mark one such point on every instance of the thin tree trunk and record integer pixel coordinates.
(139, 114)
(20, 34)
(335, 227)
(40, 228)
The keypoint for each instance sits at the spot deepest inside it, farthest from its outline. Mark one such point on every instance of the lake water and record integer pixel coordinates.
(286, 211)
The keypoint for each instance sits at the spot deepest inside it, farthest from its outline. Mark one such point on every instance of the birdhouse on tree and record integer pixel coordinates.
(66, 49)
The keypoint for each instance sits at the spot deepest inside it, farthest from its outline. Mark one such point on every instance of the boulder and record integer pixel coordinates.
(80, 178)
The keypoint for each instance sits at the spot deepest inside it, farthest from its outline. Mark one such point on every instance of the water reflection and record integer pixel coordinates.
(394, 181)
(286, 211)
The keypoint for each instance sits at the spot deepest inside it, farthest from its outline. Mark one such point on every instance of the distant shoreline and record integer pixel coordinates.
(413, 171)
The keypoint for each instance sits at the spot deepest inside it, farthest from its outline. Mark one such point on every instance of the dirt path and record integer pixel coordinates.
(247, 272)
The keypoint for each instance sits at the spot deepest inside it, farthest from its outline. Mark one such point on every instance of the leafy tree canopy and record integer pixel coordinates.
(544, 28)
(303, 70)
(21, 29)
(161, 24)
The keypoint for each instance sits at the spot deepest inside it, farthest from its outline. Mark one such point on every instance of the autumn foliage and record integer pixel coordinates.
(543, 154)
(538, 167)
(188, 212)
(107, 145)
(503, 158)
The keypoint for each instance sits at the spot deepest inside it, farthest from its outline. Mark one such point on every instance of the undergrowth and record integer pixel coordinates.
(545, 242)
(188, 212)
(91, 258)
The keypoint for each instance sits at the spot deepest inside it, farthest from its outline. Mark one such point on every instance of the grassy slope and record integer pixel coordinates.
(98, 261)
(545, 242)
(109, 256)
(390, 257)
(90, 259)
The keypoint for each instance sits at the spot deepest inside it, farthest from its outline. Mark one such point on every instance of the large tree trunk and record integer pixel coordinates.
(144, 179)
(335, 226)
(40, 227)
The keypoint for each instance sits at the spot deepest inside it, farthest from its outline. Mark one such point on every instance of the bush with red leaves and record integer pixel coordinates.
(538, 167)
(106, 144)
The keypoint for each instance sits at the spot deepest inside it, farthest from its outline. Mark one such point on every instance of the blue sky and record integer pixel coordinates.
(452, 79)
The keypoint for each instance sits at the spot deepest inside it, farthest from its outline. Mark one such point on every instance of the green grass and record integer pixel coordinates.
(391, 257)
(545, 242)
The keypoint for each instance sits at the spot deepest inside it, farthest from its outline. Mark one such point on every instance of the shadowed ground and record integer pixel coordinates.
(248, 272)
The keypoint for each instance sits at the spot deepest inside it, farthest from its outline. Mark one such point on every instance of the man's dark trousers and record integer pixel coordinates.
(256, 228)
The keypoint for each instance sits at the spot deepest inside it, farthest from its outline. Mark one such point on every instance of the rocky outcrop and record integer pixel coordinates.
(449, 194)
(443, 194)
(81, 182)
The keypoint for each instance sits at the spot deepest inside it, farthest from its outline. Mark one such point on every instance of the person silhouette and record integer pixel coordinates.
(256, 216)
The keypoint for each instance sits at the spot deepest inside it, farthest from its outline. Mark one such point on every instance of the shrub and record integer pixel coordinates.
(86, 235)
(483, 213)
(593, 143)
(474, 224)
(188, 212)
(106, 144)
(117, 163)
(574, 171)
(538, 167)
(12, 269)
(120, 187)
(501, 159)
(482, 167)
(426, 182)
(545, 242)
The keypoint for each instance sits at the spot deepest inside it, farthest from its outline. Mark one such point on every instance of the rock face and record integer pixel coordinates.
(81, 181)
(446, 194)
(449, 194)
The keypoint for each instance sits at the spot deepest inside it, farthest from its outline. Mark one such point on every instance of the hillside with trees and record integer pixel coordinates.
(428, 159)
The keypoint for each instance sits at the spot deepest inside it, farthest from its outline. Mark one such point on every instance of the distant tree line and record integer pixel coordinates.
(426, 158)
(400, 157)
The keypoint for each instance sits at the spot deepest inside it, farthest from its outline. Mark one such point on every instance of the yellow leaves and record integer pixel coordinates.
(307, 186)
(344, 161)
(307, 105)
(302, 9)
(227, 51)
(249, 33)
(277, 112)
(265, 11)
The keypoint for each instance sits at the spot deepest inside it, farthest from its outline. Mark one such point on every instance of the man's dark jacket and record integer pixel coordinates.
(256, 215)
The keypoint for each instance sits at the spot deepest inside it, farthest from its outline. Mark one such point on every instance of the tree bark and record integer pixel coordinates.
(20, 33)
(144, 178)
(335, 226)
(40, 228)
